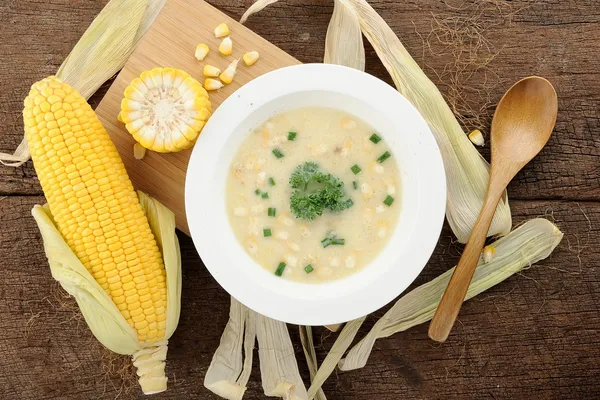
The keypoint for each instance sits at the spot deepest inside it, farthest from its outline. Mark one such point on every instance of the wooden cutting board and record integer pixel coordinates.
(171, 42)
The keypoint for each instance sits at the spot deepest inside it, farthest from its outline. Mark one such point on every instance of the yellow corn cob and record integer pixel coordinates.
(250, 57)
(226, 46)
(211, 71)
(165, 109)
(94, 205)
(227, 75)
(201, 52)
(221, 30)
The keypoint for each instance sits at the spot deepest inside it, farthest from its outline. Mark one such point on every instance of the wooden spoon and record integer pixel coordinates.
(522, 124)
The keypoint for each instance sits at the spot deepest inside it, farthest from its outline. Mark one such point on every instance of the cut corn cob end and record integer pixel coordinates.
(150, 365)
(476, 138)
(201, 51)
(222, 30)
(250, 58)
(488, 253)
(226, 46)
(212, 84)
(139, 151)
(211, 71)
(227, 76)
(165, 109)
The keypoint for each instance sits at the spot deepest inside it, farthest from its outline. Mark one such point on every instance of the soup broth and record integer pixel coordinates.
(259, 194)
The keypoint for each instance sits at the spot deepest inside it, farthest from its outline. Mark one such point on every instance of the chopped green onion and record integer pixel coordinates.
(292, 136)
(309, 268)
(348, 203)
(257, 192)
(355, 185)
(265, 195)
(277, 153)
(326, 242)
(374, 138)
(271, 181)
(388, 201)
(271, 212)
(339, 242)
(266, 232)
(383, 157)
(356, 169)
(280, 268)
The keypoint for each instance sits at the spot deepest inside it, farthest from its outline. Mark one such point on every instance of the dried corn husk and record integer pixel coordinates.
(306, 337)
(344, 24)
(227, 377)
(100, 53)
(336, 352)
(467, 172)
(531, 242)
(101, 314)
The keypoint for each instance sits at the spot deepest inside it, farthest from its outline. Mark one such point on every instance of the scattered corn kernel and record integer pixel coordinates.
(212, 84)
(334, 261)
(250, 57)
(221, 30)
(227, 75)
(488, 253)
(379, 209)
(350, 262)
(201, 52)
(476, 137)
(139, 151)
(324, 272)
(252, 246)
(282, 235)
(366, 190)
(293, 246)
(226, 46)
(382, 229)
(211, 71)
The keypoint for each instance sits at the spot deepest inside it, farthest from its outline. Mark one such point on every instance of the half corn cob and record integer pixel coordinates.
(96, 211)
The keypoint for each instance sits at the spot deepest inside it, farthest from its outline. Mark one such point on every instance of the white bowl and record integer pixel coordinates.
(422, 194)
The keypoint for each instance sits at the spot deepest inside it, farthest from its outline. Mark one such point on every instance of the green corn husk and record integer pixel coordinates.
(101, 314)
(100, 53)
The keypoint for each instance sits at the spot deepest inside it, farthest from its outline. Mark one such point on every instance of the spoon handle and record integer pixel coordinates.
(455, 293)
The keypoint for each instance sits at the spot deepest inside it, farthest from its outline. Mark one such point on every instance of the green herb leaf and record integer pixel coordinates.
(356, 169)
(271, 212)
(374, 138)
(277, 153)
(280, 268)
(292, 136)
(384, 157)
(266, 232)
(265, 195)
(315, 192)
(257, 192)
(355, 185)
(309, 268)
(388, 201)
(271, 181)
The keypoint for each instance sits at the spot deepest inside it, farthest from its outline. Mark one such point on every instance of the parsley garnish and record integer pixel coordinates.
(316, 191)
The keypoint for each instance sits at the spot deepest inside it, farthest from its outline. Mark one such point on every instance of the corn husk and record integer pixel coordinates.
(334, 355)
(227, 376)
(531, 242)
(467, 172)
(308, 346)
(339, 50)
(100, 53)
(101, 314)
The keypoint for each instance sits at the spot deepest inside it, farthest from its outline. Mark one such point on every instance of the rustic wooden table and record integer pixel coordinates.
(533, 336)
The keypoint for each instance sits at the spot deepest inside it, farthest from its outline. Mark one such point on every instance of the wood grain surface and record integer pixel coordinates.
(534, 336)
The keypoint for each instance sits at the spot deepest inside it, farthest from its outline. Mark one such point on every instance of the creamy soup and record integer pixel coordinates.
(313, 194)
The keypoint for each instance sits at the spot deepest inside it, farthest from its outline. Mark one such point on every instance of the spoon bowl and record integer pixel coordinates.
(522, 124)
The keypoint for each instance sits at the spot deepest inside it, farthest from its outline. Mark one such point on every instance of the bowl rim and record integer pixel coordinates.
(341, 305)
